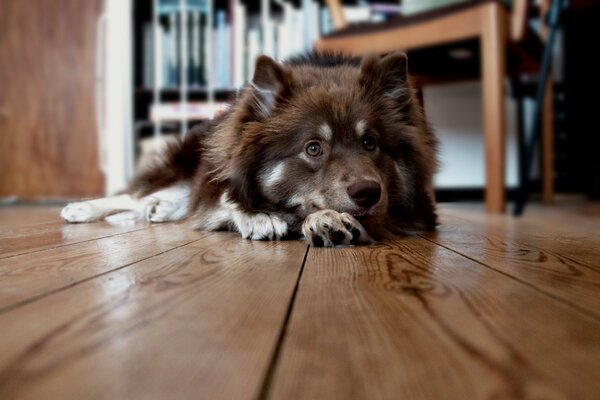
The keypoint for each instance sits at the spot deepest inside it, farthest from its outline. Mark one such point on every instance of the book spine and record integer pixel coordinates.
(148, 56)
(173, 49)
(253, 50)
(239, 43)
(194, 49)
(207, 51)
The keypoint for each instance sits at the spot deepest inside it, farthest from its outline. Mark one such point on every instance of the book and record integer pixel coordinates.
(194, 49)
(239, 43)
(148, 55)
(191, 111)
(173, 50)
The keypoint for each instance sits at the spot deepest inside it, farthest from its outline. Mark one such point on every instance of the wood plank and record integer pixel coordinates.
(199, 321)
(33, 275)
(18, 215)
(564, 265)
(564, 243)
(20, 232)
(414, 320)
(458, 26)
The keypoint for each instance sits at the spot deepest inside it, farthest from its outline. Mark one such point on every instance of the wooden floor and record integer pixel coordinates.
(487, 308)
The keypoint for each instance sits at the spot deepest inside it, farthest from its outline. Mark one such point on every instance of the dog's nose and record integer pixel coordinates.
(365, 193)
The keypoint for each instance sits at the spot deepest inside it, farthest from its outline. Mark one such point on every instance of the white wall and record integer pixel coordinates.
(455, 113)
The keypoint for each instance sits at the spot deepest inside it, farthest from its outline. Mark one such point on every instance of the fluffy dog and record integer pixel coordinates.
(326, 146)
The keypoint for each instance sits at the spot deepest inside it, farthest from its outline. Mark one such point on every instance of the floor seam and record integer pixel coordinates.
(71, 285)
(74, 243)
(568, 303)
(270, 372)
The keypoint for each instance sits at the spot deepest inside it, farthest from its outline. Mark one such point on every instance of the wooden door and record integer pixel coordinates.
(48, 139)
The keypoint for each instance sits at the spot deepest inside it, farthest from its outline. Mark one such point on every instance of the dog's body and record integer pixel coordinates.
(334, 148)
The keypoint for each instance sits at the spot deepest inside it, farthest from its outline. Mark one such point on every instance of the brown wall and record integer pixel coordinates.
(48, 145)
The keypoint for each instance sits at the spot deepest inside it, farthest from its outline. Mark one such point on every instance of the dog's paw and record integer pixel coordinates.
(329, 228)
(164, 211)
(261, 226)
(79, 212)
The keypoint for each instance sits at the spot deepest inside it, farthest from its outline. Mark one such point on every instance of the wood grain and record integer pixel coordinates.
(413, 320)
(17, 216)
(458, 26)
(23, 232)
(48, 141)
(200, 321)
(575, 234)
(222, 317)
(30, 276)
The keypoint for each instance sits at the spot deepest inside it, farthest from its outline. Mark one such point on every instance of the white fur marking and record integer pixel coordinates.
(360, 128)
(222, 216)
(396, 93)
(325, 132)
(265, 99)
(170, 204)
(273, 177)
(295, 201)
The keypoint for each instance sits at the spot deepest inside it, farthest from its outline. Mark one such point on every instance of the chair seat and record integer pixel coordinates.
(458, 60)
(398, 21)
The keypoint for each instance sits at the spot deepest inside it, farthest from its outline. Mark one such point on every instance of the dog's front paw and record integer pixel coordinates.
(261, 226)
(79, 212)
(329, 228)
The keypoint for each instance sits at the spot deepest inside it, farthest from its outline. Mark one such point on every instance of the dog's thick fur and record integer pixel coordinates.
(331, 147)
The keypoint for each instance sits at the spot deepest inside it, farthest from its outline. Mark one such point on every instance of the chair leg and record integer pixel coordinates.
(493, 41)
(522, 145)
(542, 99)
(548, 145)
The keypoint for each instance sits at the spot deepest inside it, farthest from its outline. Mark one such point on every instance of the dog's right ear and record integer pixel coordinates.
(272, 82)
(386, 76)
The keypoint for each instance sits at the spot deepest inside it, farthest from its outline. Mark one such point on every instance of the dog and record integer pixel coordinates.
(325, 146)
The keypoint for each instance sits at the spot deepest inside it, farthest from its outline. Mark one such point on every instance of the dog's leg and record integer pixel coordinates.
(97, 209)
(170, 204)
(329, 228)
(228, 215)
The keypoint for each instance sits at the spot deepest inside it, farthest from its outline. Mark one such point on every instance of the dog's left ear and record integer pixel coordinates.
(386, 75)
(271, 83)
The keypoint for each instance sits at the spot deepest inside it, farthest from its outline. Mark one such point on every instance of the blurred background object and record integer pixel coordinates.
(90, 89)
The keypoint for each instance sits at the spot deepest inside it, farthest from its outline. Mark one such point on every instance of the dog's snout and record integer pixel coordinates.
(365, 193)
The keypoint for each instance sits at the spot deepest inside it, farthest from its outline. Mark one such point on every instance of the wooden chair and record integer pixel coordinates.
(506, 49)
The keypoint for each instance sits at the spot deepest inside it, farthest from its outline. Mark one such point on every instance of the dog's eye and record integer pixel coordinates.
(314, 149)
(369, 143)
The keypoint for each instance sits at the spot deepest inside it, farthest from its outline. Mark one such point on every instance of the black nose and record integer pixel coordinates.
(365, 193)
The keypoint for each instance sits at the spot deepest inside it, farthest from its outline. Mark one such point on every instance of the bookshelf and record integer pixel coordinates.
(164, 65)
(191, 56)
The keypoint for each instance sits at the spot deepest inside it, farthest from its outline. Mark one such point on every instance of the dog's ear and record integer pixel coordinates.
(272, 82)
(386, 76)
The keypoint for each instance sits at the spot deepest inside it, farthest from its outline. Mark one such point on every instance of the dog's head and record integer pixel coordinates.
(349, 137)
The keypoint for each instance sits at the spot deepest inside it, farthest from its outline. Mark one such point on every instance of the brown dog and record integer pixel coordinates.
(331, 147)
